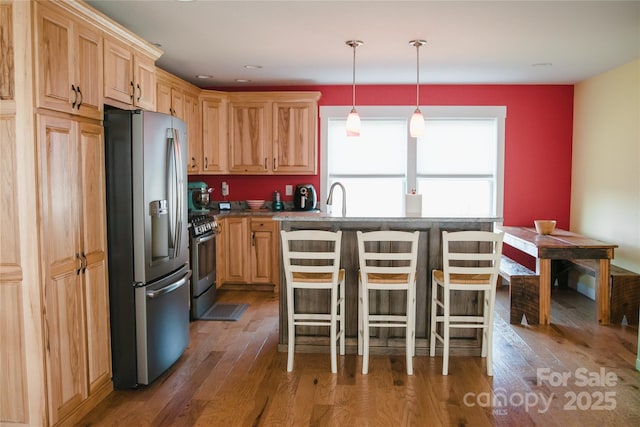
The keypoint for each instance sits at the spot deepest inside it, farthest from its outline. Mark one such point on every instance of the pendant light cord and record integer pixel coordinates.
(353, 95)
(354, 44)
(417, 75)
(417, 43)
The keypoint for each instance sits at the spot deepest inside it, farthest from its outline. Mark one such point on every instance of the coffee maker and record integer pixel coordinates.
(305, 197)
(199, 197)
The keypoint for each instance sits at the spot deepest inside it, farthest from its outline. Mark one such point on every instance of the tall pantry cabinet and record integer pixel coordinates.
(54, 309)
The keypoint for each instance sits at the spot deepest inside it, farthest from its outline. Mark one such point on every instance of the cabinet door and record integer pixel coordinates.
(118, 71)
(89, 75)
(163, 97)
(94, 248)
(294, 137)
(64, 320)
(248, 149)
(262, 253)
(214, 136)
(194, 136)
(69, 76)
(177, 103)
(55, 59)
(144, 73)
(169, 100)
(236, 239)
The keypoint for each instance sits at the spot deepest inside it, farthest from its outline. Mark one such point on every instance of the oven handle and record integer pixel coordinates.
(203, 239)
(169, 288)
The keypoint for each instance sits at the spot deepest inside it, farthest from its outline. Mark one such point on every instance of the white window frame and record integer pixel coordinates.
(340, 112)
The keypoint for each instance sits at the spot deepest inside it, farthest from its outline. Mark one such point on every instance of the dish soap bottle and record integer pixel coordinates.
(277, 203)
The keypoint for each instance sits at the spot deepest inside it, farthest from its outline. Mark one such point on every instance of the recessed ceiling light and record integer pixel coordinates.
(243, 80)
(542, 64)
(204, 76)
(253, 67)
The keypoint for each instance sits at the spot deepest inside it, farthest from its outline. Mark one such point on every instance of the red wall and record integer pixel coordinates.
(538, 136)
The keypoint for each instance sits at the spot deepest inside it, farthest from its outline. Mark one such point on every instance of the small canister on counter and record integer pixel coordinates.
(277, 203)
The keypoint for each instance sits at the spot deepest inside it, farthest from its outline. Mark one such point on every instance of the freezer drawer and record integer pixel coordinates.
(162, 324)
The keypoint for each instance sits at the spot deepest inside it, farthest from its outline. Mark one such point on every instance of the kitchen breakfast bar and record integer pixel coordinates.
(386, 340)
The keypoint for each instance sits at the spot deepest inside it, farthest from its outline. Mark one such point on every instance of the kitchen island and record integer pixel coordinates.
(386, 340)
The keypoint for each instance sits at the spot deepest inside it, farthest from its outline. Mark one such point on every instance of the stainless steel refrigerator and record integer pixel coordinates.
(147, 236)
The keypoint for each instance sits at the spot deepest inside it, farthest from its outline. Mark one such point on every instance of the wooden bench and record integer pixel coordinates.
(524, 291)
(624, 289)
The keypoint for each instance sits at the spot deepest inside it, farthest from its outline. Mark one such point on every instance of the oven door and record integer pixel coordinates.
(203, 281)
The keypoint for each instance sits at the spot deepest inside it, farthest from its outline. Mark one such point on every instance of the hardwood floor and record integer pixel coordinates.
(233, 375)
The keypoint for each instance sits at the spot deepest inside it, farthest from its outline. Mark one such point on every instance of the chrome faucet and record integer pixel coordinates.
(344, 197)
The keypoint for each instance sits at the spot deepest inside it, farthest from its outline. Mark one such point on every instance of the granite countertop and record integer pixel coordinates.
(244, 212)
(323, 216)
(239, 209)
(337, 217)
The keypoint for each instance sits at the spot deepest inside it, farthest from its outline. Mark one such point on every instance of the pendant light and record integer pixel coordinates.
(353, 119)
(416, 125)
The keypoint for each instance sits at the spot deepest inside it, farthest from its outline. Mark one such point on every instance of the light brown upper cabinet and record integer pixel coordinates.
(249, 126)
(129, 76)
(273, 132)
(68, 63)
(211, 156)
(169, 94)
(169, 100)
(191, 109)
(182, 99)
(294, 137)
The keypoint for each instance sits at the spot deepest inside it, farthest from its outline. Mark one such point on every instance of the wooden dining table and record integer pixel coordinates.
(559, 245)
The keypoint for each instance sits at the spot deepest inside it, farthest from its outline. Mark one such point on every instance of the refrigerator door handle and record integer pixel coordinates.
(169, 288)
(178, 204)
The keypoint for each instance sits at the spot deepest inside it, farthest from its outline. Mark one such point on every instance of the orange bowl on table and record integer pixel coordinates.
(545, 226)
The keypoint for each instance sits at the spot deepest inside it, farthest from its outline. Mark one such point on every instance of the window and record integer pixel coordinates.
(457, 165)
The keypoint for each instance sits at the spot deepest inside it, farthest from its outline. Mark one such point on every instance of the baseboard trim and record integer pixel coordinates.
(97, 395)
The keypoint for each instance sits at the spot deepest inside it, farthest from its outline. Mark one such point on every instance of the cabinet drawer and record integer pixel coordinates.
(262, 224)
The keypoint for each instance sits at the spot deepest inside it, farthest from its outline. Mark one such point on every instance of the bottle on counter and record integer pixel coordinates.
(277, 203)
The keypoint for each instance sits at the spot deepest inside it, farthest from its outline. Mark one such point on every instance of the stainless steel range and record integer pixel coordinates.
(202, 248)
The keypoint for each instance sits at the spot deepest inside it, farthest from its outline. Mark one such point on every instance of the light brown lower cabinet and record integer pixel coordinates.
(73, 253)
(248, 251)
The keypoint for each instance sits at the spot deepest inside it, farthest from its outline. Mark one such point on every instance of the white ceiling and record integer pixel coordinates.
(303, 42)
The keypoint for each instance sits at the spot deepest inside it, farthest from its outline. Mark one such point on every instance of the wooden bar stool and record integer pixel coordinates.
(311, 260)
(471, 262)
(388, 262)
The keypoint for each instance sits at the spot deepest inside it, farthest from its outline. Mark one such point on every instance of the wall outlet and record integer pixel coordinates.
(224, 189)
(288, 190)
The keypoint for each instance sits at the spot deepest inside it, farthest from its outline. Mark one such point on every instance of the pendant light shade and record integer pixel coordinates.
(353, 119)
(353, 123)
(416, 125)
